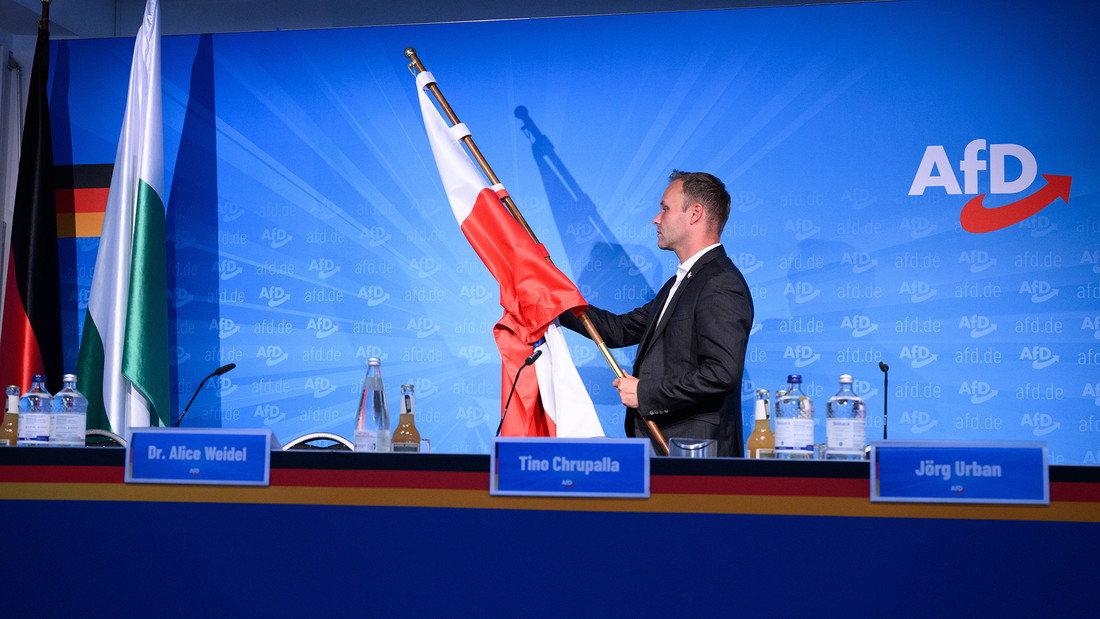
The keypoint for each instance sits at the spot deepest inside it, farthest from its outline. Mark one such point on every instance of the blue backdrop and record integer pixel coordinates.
(309, 230)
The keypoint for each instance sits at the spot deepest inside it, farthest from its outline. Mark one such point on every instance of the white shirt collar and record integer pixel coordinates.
(686, 265)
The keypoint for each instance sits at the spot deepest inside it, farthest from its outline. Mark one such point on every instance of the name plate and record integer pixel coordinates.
(960, 472)
(235, 457)
(594, 467)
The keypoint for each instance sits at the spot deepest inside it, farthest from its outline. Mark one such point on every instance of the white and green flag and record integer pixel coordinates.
(123, 363)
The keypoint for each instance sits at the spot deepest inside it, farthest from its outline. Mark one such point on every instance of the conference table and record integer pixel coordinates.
(340, 533)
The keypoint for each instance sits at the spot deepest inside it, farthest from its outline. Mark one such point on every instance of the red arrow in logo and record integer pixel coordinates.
(977, 218)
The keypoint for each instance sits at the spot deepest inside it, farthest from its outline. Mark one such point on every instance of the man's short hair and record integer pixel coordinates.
(708, 191)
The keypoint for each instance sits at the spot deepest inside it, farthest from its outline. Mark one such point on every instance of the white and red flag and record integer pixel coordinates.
(552, 400)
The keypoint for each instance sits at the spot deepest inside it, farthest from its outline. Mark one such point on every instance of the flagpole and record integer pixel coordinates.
(416, 66)
(44, 23)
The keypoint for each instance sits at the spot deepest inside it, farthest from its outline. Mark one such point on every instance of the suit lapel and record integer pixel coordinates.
(654, 330)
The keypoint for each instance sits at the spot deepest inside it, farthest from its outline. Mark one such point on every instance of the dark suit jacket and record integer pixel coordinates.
(689, 365)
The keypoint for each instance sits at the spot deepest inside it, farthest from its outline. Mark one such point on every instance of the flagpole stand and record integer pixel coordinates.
(416, 67)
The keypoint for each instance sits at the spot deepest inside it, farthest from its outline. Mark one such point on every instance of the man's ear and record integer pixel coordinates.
(696, 213)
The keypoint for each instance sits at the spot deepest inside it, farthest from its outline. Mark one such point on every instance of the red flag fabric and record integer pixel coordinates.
(31, 334)
(533, 292)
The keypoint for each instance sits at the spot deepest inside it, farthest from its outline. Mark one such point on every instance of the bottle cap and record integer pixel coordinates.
(762, 393)
(845, 379)
(406, 386)
(38, 378)
(68, 378)
(374, 361)
(794, 378)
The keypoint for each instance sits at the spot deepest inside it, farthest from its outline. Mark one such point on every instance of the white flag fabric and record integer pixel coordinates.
(123, 361)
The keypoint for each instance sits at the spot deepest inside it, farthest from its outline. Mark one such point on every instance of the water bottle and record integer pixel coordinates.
(35, 413)
(70, 415)
(794, 419)
(372, 422)
(845, 424)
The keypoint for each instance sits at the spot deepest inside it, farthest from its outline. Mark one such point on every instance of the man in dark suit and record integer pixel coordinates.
(692, 337)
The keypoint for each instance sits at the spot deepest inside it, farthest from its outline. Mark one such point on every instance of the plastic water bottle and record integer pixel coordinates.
(845, 424)
(70, 415)
(794, 418)
(35, 413)
(372, 422)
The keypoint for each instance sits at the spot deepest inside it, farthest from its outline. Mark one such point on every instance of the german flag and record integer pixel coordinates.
(81, 196)
(31, 332)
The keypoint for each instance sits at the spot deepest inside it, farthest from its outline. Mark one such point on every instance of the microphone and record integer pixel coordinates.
(529, 361)
(218, 372)
(885, 393)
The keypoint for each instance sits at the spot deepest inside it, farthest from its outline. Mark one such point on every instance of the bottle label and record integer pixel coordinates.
(366, 441)
(406, 447)
(34, 428)
(794, 433)
(845, 434)
(68, 429)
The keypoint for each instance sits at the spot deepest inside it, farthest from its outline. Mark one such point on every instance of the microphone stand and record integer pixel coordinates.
(885, 394)
(530, 360)
(218, 372)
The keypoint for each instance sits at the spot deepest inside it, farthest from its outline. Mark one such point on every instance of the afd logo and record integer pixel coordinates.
(1092, 390)
(636, 264)
(979, 260)
(375, 295)
(980, 326)
(918, 227)
(474, 355)
(272, 354)
(81, 297)
(181, 355)
(919, 291)
(745, 201)
(423, 326)
(746, 262)
(1039, 356)
(935, 170)
(1041, 424)
(182, 238)
(978, 391)
(225, 327)
(859, 198)
(803, 292)
(919, 356)
(423, 267)
(859, 324)
(375, 235)
(476, 293)
(803, 355)
(864, 389)
(802, 228)
(225, 386)
(88, 245)
(228, 269)
(276, 237)
(860, 261)
(323, 326)
(180, 297)
(474, 416)
(269, 413)
(230, 211)
(584, 232)
(757, 327)
(1092, 258)
(1092, 324)
(919, 422)
(275, 295)
(424, 388)
(1039, 289)
(582, 354)
(366, 353)
(325, 267)
(320, 386)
